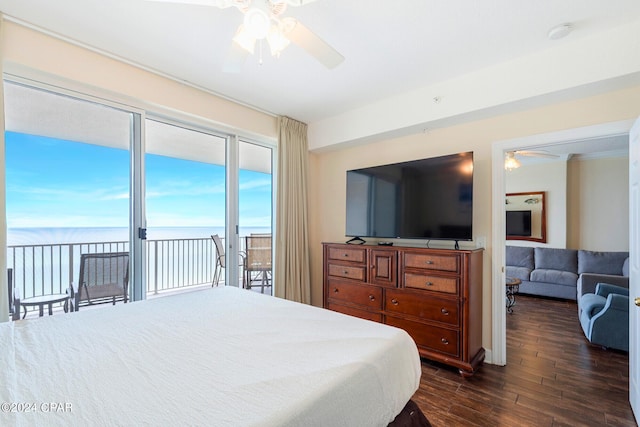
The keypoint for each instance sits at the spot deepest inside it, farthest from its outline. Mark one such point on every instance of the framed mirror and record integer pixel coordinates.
(526, 216)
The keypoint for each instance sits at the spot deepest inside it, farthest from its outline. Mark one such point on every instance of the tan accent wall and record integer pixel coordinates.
(598, 204)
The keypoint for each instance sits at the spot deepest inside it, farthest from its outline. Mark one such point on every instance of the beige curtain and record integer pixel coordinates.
(4, 297)
(292, 277)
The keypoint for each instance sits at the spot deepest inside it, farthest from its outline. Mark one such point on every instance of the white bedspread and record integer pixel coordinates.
(218, 357)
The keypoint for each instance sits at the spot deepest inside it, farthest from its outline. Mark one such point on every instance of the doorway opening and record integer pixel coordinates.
(549, 142)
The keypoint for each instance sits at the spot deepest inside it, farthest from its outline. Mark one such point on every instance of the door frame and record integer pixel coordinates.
(498, 354)
(634, 268)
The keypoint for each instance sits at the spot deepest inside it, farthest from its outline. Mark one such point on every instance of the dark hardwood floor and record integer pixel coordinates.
(553, 377)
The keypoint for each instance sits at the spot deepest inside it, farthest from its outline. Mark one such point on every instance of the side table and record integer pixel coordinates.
(43, 300)
(512, 286)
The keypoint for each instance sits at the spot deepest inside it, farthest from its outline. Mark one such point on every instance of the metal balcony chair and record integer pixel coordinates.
(104, 277)
(221, 262)
(14, 296)
(10, 289)
(257, 266)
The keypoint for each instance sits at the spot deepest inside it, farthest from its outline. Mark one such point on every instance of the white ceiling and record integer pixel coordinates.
(390, 47)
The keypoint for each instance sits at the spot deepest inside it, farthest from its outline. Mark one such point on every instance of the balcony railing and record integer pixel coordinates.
(171, 264)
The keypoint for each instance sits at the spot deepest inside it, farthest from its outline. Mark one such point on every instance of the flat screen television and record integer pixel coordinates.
(421, 199)
(519, 223)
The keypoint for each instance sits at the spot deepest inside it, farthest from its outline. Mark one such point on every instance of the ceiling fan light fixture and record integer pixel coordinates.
(257, 21)
(277, 41)
(244, 39)
(510, 161)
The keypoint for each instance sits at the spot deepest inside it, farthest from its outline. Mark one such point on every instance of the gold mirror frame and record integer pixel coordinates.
(533, 201)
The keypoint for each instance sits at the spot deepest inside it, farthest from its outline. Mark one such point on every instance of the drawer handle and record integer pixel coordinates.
(429, 283)
(335, 291)
(429, 262)
(444, 311)
(345, 272)
(394, 301)
(346, 255)
(444, 341)
(372, 298)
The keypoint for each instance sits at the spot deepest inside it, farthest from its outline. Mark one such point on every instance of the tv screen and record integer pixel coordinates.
(420, 199)
(519, 223)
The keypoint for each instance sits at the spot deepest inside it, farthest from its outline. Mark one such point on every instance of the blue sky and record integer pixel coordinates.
(57, 183)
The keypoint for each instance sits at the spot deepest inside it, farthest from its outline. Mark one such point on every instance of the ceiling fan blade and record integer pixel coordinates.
(294, 2)
(314, 45)
(222, 4)
(536, 154)
(236, 56)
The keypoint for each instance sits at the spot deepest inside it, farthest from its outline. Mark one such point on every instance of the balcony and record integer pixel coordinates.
(173, 265)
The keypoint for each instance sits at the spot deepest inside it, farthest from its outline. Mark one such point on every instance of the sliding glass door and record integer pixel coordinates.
(185, 206)
(67, 185)
(88, 177)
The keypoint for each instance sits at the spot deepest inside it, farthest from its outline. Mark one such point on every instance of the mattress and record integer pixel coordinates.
(222, 356)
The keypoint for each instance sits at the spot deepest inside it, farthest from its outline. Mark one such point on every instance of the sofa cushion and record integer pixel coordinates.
(521, 273)
(517, 256)
(557, 259)
(566, 278)
(601, 262)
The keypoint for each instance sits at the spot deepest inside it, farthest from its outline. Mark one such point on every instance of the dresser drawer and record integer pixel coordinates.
(431, 262)
(428, 308)
(347, 254)
(365, 295)
(447, 285)
(352, 311)
(432, 338)
(348, 272)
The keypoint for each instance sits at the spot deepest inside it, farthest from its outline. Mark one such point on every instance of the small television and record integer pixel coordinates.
(421, 199)
(519, 223)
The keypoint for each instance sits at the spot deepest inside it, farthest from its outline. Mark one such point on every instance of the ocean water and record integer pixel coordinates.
(66, 235)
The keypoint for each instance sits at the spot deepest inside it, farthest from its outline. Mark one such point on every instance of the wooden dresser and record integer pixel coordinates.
(433, 294)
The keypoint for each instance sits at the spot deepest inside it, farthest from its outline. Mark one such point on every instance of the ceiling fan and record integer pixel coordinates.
(511, 162)
(535, 153)
(265, 20)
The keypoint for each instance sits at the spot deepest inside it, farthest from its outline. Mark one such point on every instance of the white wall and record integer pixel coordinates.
(551, 178)
(576, 65)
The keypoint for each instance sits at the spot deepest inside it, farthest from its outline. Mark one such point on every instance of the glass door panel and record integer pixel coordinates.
(185, 206)
(67, 186)
(255, 196)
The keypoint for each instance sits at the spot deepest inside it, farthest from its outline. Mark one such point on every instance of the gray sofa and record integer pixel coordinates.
(565, 273)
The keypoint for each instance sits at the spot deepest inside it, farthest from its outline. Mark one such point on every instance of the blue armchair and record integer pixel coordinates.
(604, 316)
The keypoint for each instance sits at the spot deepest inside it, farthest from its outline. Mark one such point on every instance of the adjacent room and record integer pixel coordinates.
(320, 212)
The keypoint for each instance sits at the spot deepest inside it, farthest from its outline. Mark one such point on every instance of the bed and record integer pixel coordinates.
(222, 356)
